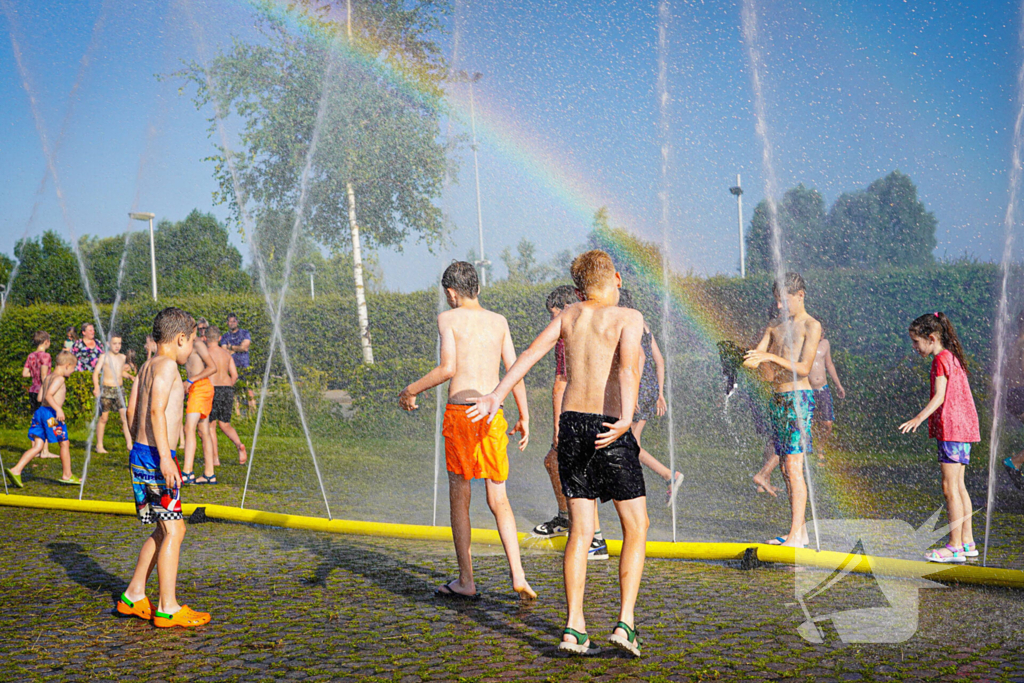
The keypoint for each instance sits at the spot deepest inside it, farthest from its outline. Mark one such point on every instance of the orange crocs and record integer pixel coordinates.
(140, 608)
(185, 617)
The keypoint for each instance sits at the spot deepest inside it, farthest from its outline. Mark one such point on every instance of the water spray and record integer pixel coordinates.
(771, 187)
(1003, 311)
(664, 15)
(240, 200)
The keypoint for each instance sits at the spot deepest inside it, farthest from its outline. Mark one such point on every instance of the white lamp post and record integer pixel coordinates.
(152, 247)
(471, 78)
(738, 191)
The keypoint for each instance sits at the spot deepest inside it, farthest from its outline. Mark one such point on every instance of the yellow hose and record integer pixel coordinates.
(828, 560)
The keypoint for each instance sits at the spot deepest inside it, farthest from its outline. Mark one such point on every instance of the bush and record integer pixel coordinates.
(866, 315)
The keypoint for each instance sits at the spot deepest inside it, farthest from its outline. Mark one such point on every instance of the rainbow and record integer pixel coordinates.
(522, 148)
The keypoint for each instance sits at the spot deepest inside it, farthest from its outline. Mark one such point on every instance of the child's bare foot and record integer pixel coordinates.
(216, 462)
(101, 450)
(523, 589)
(47, 454)
(764, 485)
(243, 456)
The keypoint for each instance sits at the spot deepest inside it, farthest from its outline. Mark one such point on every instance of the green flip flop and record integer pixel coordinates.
(14, 478)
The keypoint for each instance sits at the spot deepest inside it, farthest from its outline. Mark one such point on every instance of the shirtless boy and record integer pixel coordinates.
(824, 414)
(474, 343)
(199, 368)
(789, 346)
(598, 456)
(154, 417)
(110, 373)
(223, 399)
(48, 422)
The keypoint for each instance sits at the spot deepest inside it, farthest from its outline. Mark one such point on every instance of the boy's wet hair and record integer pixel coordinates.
(114, 335)
(213, 332)
(461, 276)
(937, 323)
(626, 298)
(40, 337)
(591, 269)
(65, 357)
(561, 296)
(792, 282)
(232, 315)
(171, 322)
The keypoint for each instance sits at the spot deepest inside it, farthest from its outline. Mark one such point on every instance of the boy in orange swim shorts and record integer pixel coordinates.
(199, 368)
(474, 343)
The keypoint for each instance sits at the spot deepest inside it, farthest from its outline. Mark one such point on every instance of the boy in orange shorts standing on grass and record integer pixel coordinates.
(154, 418)
(199, 368)
(474, 343)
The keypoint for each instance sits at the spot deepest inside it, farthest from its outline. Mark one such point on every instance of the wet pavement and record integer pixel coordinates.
(292, 605)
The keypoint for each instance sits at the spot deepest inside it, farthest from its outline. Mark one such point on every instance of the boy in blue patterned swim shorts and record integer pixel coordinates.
(788, 347)
(154, 418)
(48, 423)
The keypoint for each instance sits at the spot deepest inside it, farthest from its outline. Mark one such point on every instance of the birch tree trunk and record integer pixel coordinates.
(357, 258)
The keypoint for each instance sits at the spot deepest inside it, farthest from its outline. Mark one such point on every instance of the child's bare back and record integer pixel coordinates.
(479, 336)
(594, 334)
(159, 383)
(52, 392)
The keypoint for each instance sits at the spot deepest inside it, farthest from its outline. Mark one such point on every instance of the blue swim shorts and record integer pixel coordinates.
(954, 452)
(154, 502)
(791, 413)
(46, 426)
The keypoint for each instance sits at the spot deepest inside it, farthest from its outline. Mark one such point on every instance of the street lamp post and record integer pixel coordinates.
(471, 78)
(738, 191)
(139, 216)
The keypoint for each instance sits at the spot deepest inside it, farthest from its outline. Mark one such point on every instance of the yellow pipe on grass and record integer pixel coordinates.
(827, 560)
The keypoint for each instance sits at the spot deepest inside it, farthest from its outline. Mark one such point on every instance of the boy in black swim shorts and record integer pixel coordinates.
(598, 457)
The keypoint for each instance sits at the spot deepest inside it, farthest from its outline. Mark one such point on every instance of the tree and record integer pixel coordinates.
(882, 225)
(523, 267)
(192, 256)
(47, 272)
(801, 224)
(377, 107)
(903, 225)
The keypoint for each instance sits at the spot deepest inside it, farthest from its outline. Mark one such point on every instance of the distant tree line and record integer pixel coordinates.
(883, 225)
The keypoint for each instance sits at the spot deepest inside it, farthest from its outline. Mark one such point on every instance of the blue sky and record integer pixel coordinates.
(855, 89)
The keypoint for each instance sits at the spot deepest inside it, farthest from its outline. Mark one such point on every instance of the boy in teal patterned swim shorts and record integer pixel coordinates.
(788, 347)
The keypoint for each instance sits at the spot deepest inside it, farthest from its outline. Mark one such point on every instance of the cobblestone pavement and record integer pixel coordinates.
(291, 605)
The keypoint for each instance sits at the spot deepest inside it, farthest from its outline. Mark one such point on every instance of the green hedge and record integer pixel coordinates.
(866, 315)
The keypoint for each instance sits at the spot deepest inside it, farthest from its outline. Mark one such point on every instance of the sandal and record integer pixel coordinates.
(188, 478)
(142, 609)
(971, 550)
(15, 479)
(446, 591)
(628, 643)
(212, 479)
(185, 617)
(71, 481)
(956, 557)
(583, 645)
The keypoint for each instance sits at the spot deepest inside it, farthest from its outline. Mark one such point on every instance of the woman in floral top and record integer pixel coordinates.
(87, 349)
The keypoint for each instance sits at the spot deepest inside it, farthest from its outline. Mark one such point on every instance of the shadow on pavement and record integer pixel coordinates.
(84, 570)
(417, 584)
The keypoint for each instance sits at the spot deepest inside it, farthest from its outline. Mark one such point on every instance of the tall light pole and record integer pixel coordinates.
(152, 247)
(471, 78)
(738, 191)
